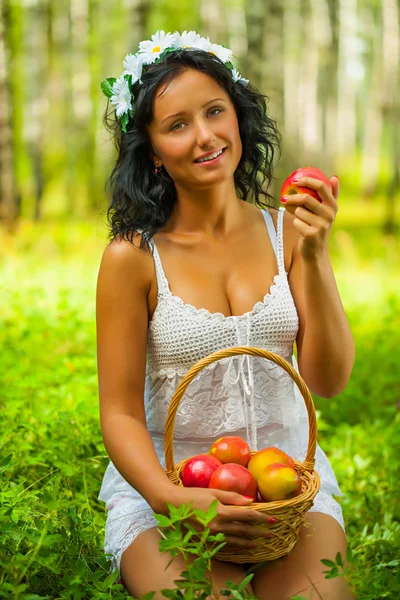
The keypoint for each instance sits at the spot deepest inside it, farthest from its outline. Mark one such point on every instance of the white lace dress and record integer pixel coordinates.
(242, 395)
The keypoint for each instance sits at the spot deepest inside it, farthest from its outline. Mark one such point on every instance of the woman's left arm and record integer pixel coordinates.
(325, 345)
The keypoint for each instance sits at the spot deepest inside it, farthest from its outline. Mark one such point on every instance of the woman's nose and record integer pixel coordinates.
(204, 134)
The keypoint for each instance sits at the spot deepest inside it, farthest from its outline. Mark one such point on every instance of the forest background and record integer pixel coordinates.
(331, 69)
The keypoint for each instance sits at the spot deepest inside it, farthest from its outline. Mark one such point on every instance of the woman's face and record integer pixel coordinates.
(194, 118)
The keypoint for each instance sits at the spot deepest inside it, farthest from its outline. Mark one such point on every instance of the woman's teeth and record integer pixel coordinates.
(210, 157)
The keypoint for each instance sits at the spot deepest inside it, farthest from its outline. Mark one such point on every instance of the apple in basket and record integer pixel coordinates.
(290, 187)
(198, 470)
(278, 482)
(268, 456)
(232, 477)
(231, 449)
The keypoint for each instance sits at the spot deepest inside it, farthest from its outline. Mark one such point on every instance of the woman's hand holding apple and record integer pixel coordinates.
(237, 522)
(314, 217)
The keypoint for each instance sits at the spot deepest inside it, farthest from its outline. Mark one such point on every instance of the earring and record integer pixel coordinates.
(157, 169)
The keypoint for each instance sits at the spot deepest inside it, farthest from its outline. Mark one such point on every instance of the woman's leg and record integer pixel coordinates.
(144, 567)
(301, 571)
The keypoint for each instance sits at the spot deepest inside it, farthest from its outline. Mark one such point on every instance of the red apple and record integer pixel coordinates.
(290, 187)
(231, 449)
(198, 470)
(234, 478)
(268, 456)
(278, 482)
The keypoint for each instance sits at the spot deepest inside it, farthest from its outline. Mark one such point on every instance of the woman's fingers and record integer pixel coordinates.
(240, 542)
(245, 514)
(241, 530)
(231, 497)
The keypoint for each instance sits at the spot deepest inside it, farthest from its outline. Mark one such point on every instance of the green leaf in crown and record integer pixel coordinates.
(107, 85)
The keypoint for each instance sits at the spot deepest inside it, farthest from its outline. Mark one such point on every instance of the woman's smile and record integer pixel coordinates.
(210, 158)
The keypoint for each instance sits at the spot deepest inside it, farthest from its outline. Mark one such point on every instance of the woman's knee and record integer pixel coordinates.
(301, 571)
(145, 569)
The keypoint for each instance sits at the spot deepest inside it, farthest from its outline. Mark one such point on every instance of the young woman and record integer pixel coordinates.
(197, 263)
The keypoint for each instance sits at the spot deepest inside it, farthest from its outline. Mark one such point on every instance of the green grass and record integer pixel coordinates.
(52, 456)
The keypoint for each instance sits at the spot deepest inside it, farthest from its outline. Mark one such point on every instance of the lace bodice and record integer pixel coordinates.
(246, 395)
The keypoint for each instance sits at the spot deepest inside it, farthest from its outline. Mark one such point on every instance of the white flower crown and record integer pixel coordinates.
(150, 51)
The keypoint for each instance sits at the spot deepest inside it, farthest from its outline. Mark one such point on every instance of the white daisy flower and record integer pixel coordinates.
(151, 49)
(236, 76)
(121, 96)
(133, 64)
(203, 44)
(186, 39)
(222, 53)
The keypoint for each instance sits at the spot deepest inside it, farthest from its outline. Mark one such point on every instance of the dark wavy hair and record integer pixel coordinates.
(142, 200)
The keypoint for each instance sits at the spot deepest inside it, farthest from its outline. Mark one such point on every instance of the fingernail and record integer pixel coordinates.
(267, 535)
(249, 498)
(295, 179)
(283, 199)
(271, 520)
(253, 546)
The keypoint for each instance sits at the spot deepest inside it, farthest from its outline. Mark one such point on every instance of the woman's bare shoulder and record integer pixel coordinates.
(129, 260)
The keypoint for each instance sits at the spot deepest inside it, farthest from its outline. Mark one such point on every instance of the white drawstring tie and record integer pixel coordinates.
(248, 386)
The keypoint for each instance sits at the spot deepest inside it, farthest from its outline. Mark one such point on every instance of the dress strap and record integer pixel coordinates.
(271, 229)
(276, 237)
(281, 256)
(162, 281)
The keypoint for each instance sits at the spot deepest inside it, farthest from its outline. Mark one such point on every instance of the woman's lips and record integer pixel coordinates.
(212, 161)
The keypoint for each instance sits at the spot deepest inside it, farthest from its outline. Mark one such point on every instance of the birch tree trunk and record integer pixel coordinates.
(237, 32)
(37, 103)
(8, 204)
(138, 13)
(372, 133)
(346, 96)
(308, 110)
(292, 43)
(391, 105)
(14, 37)
(256, 16)
(80, 108)
(213, 20)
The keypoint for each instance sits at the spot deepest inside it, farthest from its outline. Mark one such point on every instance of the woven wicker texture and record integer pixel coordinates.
(289, 514)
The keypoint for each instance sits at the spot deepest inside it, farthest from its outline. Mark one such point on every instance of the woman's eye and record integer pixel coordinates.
(175, 127)
(216, 108)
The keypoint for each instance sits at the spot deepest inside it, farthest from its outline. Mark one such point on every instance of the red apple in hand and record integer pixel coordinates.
(234, 478)
(290, 187)
(198, 470)
(231, 449)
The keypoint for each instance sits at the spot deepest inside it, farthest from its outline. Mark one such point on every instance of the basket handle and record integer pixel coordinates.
(309, 461)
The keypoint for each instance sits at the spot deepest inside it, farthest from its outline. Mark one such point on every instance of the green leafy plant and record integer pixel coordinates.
(179, 537)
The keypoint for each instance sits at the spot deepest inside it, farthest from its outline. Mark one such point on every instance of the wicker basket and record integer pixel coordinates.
(289, 514)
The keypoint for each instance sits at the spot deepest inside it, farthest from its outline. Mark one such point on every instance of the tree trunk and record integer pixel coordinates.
(256, 17)
(213, 20)
(13, 21)
(8, 195)
(237, 33)
(346, 96)
(371, 142)
(390, 89)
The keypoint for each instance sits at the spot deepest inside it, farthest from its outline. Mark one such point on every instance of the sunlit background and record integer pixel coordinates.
(330, 69)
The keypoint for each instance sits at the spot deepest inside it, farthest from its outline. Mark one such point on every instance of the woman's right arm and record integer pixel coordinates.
(121, 322)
